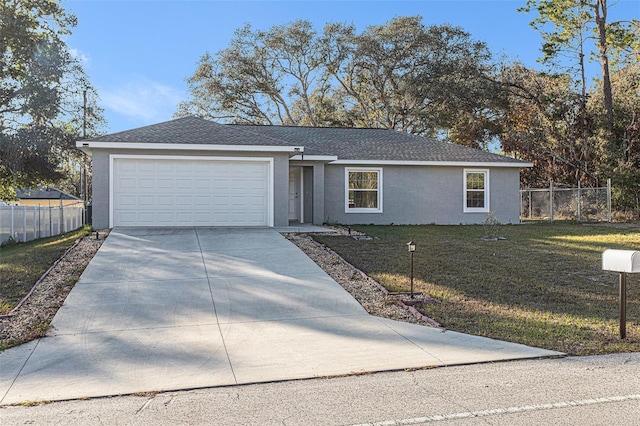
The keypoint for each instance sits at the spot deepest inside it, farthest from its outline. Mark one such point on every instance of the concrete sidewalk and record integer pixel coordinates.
(169, 309)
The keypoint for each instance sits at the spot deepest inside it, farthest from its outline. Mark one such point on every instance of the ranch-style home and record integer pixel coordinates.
(195, 172)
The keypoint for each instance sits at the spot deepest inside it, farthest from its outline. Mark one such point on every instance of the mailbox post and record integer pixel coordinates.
(624, 262)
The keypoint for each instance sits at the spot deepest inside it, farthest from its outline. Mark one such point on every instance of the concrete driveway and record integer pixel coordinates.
(169, 309)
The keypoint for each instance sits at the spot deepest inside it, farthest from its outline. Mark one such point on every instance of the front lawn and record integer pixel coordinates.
(21, 265)
(543, 286)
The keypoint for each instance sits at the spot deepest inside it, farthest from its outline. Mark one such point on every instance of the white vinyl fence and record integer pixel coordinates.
(26, 223)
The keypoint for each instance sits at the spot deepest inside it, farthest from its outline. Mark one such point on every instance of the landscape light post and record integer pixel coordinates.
(412, 248)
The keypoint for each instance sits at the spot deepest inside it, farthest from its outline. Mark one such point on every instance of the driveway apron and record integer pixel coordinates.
(181, 308)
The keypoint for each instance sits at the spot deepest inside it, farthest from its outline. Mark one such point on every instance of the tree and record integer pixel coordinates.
(543, 124)
(620, 158)
(39, 84)
(609, 109)
(399, 75)
(405, 76)
(573, 21)
(258, 78)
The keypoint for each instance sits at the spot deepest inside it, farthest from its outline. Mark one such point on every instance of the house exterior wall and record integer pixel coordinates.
(307, 190)
(319, 216)
(100, 189)
(424, 195)
(101, 178)
(280, 188)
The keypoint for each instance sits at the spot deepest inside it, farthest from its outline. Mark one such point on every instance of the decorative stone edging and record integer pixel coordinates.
(47, 272)
(381, 288)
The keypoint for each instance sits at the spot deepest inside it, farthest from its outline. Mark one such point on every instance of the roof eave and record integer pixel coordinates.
(325, 158)
(515, 163)
(87, 146)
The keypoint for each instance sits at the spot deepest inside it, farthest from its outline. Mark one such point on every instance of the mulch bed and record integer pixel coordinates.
(33, 317)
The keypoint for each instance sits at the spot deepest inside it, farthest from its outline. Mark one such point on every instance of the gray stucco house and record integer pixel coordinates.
(195, 172)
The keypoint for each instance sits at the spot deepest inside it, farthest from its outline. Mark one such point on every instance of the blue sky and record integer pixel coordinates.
(139, 53)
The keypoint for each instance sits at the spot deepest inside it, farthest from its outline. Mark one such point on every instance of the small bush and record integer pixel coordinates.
(10, 243)
(491, 226)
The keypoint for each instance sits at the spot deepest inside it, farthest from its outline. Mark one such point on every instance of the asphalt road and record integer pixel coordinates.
(600, 390)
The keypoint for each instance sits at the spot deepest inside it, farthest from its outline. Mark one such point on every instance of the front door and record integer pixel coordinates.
(294, 194)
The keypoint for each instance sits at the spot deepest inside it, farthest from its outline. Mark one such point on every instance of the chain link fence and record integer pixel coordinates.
(558, 202)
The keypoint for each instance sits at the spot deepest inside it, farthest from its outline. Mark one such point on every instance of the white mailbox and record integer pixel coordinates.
(625, 262)
(621, 261)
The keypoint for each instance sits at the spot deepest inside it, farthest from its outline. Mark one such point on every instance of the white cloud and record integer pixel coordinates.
(83, 58)
(141, 100)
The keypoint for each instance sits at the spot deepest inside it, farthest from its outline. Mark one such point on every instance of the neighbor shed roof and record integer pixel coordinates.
(43, 193)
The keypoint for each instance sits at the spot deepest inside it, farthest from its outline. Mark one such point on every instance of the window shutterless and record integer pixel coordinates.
(363, 190)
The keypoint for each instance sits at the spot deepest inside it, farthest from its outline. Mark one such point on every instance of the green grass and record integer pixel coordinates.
(543, 286)
(21, 265)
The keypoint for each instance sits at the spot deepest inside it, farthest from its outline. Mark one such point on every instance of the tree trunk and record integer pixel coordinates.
(601, 20)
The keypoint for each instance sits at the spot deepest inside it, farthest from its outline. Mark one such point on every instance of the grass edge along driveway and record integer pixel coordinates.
(22, 264)
(542, 286)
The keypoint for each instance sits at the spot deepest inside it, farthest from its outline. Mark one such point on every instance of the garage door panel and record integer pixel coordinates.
(127, 183)
(146, 184)
(221, 183)
(146, 166)
(203, 202)
(256, 217)
(203, 184)
(126, 167)
(127, 217)
(202, 167)
(184, 184)
(165, 183)
(256, 201)
(257, 185)
(147, 201)
(185, 218)
(188, 192)
(166, 201)
(164, 167)
(126, 200)
(184, 200)
(185, 168)
(152, 216)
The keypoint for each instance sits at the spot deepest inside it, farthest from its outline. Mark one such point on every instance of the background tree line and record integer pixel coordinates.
(435, 81)
(438, 81)
(46, 99)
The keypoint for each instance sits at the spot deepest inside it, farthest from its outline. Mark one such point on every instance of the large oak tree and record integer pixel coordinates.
(400, 75)
(41, 94)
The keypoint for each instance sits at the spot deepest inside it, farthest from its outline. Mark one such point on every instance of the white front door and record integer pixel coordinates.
(294, 194)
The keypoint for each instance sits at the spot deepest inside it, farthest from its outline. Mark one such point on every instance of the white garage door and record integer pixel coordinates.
(190, 192)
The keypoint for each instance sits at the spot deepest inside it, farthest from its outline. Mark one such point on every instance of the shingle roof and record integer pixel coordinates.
(374, 144)
(345, 143)
(44, 194)
(189, 130)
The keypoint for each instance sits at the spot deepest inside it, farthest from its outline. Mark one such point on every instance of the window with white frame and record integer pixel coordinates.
(476, 191)
(363, 190)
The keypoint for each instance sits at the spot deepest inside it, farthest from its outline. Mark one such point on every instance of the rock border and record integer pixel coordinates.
(375, 298)
(32, 317)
